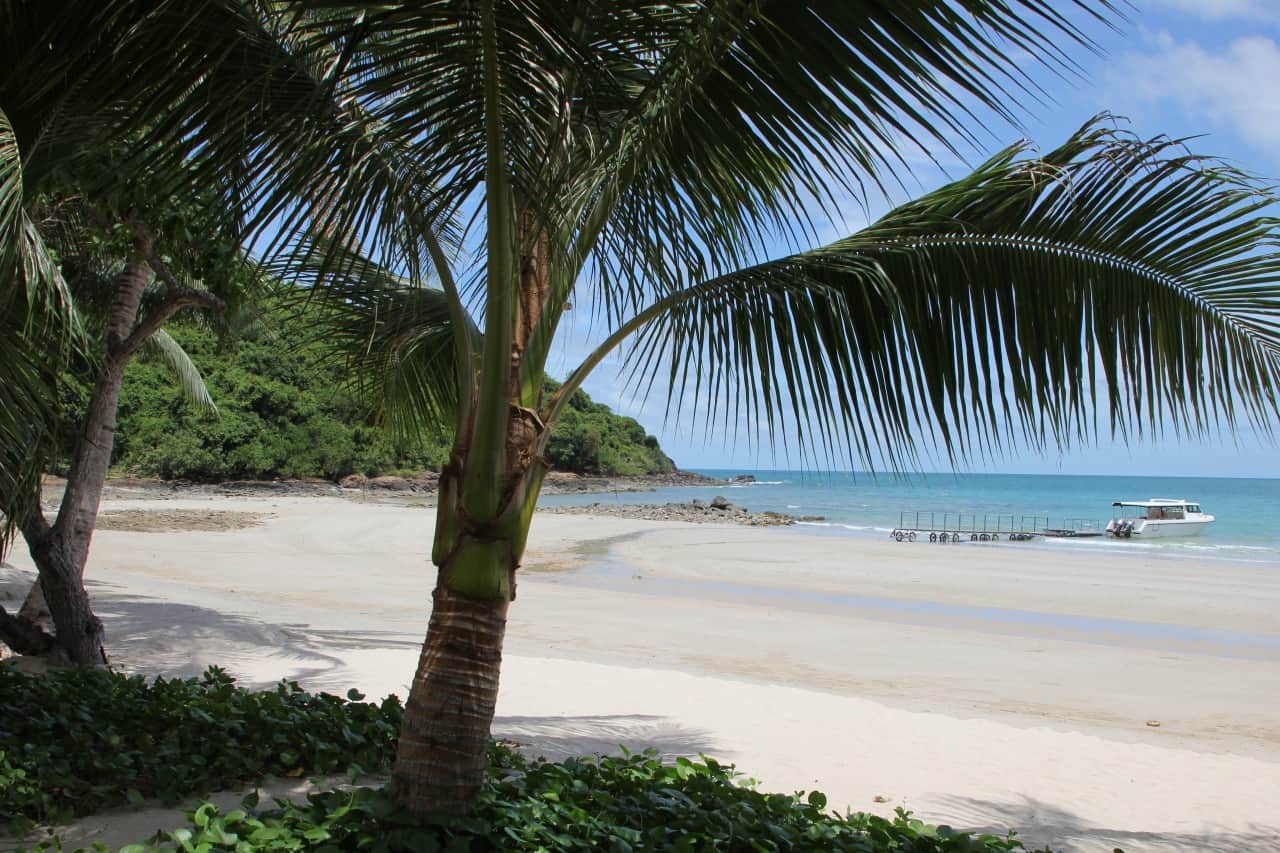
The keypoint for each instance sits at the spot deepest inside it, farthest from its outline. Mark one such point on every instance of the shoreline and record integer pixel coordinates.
(744, 643)
(567, 492)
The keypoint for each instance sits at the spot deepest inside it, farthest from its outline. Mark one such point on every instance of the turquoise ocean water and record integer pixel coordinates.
(860, 505)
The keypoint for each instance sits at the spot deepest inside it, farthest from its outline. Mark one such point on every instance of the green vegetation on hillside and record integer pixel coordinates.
(285, 409)
(288, 408)
(589, 437)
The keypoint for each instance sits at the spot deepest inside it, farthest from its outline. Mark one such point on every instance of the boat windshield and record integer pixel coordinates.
(1154, 510)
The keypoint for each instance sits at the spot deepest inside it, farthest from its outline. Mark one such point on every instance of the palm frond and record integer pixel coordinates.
(396, 337)
(38, 325)
(1111, 274)
(26, 264)
(184, 370)
(757, 110)
(27, 427)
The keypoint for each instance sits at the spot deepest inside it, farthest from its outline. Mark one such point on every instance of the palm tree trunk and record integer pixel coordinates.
(440, 761)
(66, 543)
(78, 632)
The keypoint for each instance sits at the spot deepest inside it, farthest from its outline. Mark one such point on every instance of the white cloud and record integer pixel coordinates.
(1233, 88)
(1221, 10)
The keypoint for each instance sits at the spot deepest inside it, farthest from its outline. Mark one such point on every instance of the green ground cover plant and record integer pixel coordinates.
(629, 803)
(78, 741)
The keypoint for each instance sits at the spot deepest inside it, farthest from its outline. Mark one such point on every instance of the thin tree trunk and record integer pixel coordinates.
(34, 608)
(78, 514)
(61, 551)
(79, 510)
(79, 632)
(82, 496)
(440, 762)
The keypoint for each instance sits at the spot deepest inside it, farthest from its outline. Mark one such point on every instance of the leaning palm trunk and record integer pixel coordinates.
(61, 550)
(78, 632)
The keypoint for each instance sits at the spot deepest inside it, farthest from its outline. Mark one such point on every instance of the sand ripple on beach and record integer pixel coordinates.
(170, 520)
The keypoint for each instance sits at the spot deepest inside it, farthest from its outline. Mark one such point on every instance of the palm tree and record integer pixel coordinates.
(511, 158)
(123, 296)
(98, 252)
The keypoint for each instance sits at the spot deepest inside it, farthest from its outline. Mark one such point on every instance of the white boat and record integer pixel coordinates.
(1161, 517)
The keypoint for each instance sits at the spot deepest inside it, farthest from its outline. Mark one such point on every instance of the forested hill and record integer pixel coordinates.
(284, 410)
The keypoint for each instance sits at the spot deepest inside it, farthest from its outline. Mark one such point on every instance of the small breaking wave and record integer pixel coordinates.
(1193, 546)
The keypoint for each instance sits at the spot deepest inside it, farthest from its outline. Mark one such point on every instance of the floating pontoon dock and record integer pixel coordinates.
(973, 527)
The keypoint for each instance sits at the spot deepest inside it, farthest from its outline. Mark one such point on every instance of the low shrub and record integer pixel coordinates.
(631, 803)
(76, 741)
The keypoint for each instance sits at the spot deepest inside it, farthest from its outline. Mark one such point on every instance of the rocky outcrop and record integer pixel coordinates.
(566, 483)
(425, 483)
(719, 511)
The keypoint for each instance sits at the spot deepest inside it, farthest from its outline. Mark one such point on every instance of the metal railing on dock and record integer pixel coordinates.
(986, 527)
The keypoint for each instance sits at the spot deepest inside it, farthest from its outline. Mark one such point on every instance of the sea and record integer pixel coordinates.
(864, 505)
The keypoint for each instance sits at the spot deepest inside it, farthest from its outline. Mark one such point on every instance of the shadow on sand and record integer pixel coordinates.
(1043, 823)
(557, 738)
(183, 640)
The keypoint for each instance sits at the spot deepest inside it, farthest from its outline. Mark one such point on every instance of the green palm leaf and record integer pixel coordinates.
(396, 337)
(756, 110)
(699, 125)
(37, 320)
(184, 371)
(1110, 271)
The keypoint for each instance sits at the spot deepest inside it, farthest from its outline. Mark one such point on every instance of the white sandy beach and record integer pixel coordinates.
(986, 686)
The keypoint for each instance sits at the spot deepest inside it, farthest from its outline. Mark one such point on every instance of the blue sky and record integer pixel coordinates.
(1207, 68)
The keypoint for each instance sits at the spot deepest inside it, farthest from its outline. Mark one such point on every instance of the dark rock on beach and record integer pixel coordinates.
(719, 511)
(566, 483)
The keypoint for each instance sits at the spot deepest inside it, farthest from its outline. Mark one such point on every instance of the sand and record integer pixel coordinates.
(985, 686)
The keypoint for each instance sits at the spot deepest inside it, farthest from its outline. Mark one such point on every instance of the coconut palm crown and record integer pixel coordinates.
(470, 170)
